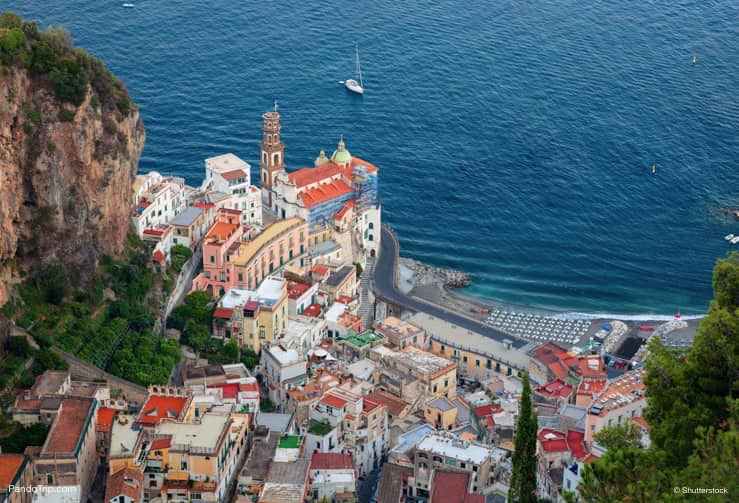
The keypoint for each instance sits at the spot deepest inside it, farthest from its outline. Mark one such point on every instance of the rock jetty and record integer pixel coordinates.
(424, 274)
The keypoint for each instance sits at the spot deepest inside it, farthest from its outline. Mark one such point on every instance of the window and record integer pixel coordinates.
(174, 240)
(464, 359)
(49, 479)
(371, 226)
(183, 465)
(241, 276)
(212, 259)
(477, 363)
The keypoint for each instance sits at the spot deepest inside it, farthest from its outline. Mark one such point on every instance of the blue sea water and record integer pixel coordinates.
(514, 138)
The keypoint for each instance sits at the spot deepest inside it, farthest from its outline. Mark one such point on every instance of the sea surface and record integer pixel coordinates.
(515, 139)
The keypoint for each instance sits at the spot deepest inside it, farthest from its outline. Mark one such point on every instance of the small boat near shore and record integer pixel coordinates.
(735, 240)
(729, 237)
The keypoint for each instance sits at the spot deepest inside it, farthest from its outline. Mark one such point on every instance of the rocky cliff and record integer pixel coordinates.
(66, 173)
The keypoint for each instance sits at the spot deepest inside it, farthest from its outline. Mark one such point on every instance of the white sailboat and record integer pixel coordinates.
(355, 85)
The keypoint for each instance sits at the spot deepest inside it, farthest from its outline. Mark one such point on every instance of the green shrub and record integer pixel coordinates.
(10, 20)
(66, 115)
(32, 114)
(124, 104)
(10, 44)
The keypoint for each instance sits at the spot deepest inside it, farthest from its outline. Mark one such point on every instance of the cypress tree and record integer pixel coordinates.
(523, 476)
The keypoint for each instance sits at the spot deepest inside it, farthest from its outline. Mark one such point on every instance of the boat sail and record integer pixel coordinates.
(355, 85)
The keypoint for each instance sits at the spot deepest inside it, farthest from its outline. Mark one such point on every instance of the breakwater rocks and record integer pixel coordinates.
(424, 274)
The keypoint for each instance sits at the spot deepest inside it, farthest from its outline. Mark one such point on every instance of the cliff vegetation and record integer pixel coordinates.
(70, 141)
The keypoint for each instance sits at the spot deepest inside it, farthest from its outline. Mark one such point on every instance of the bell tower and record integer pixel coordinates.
(272, 158)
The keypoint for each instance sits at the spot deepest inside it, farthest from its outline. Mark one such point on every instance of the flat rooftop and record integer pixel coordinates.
(339, 276)
(454, 448)
(123, 437)
(257, 464)
(202, 435)
(226, 162)
(364, 339)
(186, 217)
(457, 337)
(286, 482)
(421, 361)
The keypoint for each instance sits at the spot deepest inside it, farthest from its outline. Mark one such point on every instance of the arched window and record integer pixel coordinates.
(371, 226)
(264, 157)
(371, 237)
(276, 159)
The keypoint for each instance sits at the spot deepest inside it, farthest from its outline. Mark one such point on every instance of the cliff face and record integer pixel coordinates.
(66, 175)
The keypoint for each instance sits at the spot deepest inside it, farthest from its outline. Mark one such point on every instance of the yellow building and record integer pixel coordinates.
(440, 413)
(253, 318)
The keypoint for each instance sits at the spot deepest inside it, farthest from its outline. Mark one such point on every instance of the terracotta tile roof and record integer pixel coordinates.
(307, 176)
(324, 192)
(204, 206)
(641, 421)
(161, 443)
(591, 387)
(229, 211)
(344, 299)
(487, 410)
(395, 405)
(320, 269)
(576, 443)
(157, 408)
(347, 206)
(233, 175)
(368, 404)
(249, 386)
(296, 289)
(313, 310)
(331, 461)
(333, 401)
(126, 482)
(159, 257)
(154, 232)
(105, 419)
(10, 467)
(221, 231)
(552, 440)
(230, 390)
(390, 486)
(28, 404)
(69, 425)
(222, 312)
(555, 389)
(474, 498)
(449, 487)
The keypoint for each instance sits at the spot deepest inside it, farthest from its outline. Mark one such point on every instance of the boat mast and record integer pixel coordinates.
(359, 69)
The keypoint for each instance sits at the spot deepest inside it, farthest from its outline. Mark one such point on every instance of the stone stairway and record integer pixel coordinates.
(365, 293)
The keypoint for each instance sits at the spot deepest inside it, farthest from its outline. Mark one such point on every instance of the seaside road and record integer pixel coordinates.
(384, 286)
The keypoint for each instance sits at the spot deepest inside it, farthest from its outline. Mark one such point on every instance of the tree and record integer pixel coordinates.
(249, 358)
(523, 475)
(692, 411)
(10, 44)
(10, 20)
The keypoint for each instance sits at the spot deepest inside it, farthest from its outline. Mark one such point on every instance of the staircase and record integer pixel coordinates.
(366, 302)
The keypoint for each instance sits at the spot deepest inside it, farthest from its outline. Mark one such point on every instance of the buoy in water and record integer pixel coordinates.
(654, 169)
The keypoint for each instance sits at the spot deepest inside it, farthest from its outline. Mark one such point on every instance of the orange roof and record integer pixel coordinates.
(449, 487)
(10, 465)
(307, 176)
(105, 419)
(69, 425)
(641, 421)
(295, 289)
(222, 312)
(233, 175)
(333, 401)
(555, 389)
(313, 310)
(394, 404)
(159, 257)
(221, 231)
(320, 269)
(347, 206)
(125, 482)
(368, 405)
(344, 299)
(161, 443)
(157, 408)
(356, 162)
(33, 403)
(591, 387)
(324, 192)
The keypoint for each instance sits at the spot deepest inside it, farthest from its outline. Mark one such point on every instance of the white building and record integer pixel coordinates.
(303, 333)
(282, 366)
(228, 174)
(330, 475)
(156, 200)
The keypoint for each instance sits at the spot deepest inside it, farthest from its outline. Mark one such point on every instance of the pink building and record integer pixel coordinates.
(220, 244)
(233, 258)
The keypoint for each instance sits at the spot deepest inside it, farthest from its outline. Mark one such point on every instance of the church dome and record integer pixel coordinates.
(321, 159)
(341, 155)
